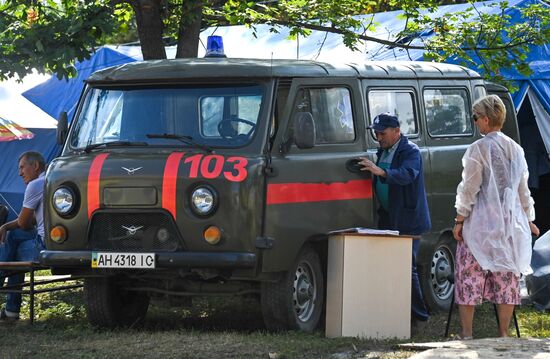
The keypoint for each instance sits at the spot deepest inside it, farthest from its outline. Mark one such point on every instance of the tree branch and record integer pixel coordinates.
(222, 21)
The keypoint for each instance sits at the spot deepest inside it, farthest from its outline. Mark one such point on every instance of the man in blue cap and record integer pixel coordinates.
(399, 187)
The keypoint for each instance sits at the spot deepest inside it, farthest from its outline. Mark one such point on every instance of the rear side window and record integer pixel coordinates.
(396, 102)
(331, 111)
(447, 112)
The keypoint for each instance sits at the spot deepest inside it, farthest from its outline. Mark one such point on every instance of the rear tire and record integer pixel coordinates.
(296, 301)
(109, 306)
(436, 287)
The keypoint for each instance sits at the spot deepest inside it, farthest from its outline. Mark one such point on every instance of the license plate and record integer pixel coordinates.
(123, 260)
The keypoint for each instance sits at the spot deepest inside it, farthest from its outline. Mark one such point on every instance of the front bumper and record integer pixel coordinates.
(226, 260)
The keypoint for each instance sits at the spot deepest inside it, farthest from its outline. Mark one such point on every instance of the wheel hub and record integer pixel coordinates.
(440, 270)
(304, 292)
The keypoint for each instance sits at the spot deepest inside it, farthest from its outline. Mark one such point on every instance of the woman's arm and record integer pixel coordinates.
(457, 229)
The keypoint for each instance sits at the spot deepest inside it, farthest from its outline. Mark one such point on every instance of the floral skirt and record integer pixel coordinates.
(473, 284)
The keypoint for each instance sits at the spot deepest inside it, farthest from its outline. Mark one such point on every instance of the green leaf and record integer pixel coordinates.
(39, 46)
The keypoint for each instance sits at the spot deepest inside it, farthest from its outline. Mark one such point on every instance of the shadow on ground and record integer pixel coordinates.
(241, 314)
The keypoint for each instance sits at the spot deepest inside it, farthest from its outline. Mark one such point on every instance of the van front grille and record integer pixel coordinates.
(133, 232)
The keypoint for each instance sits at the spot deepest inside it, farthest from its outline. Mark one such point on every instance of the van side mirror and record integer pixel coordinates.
(304, 130)
(62, 128)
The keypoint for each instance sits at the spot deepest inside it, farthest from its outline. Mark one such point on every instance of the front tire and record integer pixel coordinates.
(109, 306)
(295, 301)
(437, 288)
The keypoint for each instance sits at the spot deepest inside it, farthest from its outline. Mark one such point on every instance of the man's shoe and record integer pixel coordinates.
(6, 316)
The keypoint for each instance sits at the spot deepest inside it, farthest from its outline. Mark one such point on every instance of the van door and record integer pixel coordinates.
(314, 190)
(449, 130)
(398, 97)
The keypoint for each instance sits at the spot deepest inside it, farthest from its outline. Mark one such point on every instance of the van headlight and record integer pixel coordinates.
(63, 200)
(203, 200)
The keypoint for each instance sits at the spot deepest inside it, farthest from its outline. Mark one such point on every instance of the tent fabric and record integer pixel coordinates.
(533, 145)
(12, 186)
(55, 96)
(520, 94)
(15, 107)
(538, 92)
(52, 96)
(542, 90)
(541, 116)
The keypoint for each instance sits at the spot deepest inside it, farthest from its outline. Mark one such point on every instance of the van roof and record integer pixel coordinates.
(178, 70)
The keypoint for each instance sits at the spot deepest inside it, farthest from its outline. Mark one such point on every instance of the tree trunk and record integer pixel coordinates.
(190, 29)
(149, 24)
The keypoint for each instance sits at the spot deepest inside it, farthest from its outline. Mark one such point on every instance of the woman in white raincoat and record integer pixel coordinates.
(493, 224)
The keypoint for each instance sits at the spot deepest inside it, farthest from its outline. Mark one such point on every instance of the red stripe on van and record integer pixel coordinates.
(94, 181)
(169, 182)
(280, 193)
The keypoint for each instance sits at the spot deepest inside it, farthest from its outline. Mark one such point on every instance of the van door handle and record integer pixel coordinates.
(354, 167)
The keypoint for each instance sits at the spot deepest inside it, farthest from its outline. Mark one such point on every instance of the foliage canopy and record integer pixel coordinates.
(50, 35)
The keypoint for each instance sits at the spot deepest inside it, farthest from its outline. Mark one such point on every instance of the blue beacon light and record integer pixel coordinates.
(214, 47)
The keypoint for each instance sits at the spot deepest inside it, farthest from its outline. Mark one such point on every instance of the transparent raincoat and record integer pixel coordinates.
(497, 204)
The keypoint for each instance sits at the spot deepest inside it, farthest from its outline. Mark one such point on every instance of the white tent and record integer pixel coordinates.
(16, 108)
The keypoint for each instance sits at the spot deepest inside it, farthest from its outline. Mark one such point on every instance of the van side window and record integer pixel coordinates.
(283, 90)
(479, 92)
(447, 112)
(332, 113)
(397, 102)
(214, 109)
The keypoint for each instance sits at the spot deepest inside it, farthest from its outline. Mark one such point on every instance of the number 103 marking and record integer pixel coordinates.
(212, 166)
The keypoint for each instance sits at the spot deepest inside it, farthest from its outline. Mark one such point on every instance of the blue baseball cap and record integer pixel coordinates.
(383, 121)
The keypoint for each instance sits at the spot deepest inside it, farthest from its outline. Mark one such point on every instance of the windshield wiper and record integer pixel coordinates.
(188, 140)
(93, 146)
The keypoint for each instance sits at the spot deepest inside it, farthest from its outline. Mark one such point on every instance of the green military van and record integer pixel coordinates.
(194, 177)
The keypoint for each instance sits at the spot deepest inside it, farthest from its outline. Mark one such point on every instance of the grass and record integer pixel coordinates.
(43, 272)
(213, 328)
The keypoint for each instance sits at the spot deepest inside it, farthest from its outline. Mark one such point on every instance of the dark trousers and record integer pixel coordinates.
(418, 307)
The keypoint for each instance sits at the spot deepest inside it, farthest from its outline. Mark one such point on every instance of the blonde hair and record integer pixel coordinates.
(492, 107)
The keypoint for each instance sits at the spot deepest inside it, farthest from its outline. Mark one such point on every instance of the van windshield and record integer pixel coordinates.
(211, 116)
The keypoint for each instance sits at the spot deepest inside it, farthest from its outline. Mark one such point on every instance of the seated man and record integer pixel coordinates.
(20, 240)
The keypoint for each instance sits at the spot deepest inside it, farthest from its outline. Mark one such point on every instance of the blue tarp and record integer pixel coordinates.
(55, 96)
